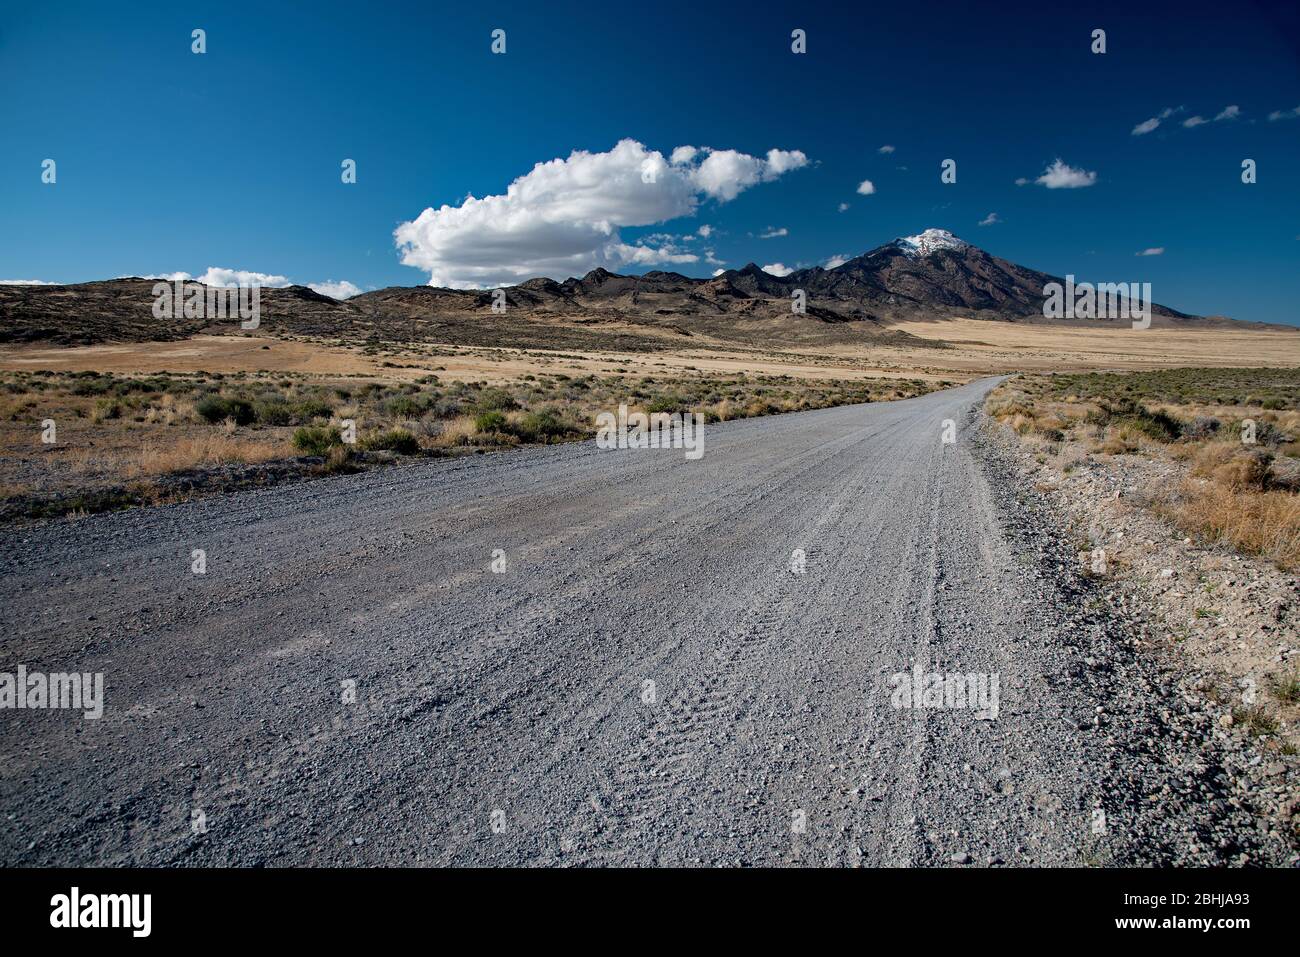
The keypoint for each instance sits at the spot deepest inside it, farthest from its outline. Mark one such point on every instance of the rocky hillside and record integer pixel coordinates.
(931, 275)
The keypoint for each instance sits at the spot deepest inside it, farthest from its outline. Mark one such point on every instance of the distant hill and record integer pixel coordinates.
(928, 276)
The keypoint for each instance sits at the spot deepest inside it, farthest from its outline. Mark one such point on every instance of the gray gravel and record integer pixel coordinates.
(503, 718)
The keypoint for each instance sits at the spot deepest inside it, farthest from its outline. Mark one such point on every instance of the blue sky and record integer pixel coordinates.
(169, 161)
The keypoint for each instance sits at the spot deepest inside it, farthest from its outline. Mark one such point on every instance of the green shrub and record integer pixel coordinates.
(278, 411)
(317, 439)
(305, 410)
(447, 408)
(1154, 425)
(495, 400)
(490, 422)
(216, 408)
(274, 412)
(406, 407)
(1159, 426)
(538, 427)
(668, 403)
(394, 440)
(108, 409)
(94, 386)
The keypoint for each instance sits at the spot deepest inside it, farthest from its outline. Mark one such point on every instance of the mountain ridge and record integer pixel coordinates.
(933, 275)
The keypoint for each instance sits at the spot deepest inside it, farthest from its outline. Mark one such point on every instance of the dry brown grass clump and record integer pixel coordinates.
(1264, 523)
(457, 432)
(202, 451)
(1232, 465)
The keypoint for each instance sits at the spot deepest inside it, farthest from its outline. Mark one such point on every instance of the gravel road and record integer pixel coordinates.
(507, 717)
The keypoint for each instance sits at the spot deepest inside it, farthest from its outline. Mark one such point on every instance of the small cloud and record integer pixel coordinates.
(990, 220)
(718, 272)
(26, 282)
(1021, 181)
(169, 276)
(1169, 111)
(706, 231)
(220, 276)
(844, 207)
(1152, 251)
(885, 149)
(1192, 121)
(1146, 126)
(1284, 115)
(1228, 113)
(1061, 176)
(639, 254)
(335, 290)
(772, 233)
(777, 269)
(866, 187)
(839, 259)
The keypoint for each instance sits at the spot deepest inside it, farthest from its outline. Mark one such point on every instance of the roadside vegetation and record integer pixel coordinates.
(1206, 539)
(1233, 435)
(127, 440)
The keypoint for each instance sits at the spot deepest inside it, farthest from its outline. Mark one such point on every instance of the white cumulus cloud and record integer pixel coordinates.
(563, 217)
(777, 269)
(839, 259)
(1152, 251)
(26, 282)
(866, 187)
(1228, 113)
(335, 290)
(1192, 121)
(990, 219)
(773, 233)
(725, 174)
(886, 149)
(221, 276)
(1146, 126)
(843, 207)
(642, 255)
(1284, 115)
(1062, 176)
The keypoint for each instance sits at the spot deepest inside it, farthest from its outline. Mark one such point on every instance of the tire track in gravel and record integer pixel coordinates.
(651, 775)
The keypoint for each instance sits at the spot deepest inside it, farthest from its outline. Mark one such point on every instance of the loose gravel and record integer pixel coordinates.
(653, 677)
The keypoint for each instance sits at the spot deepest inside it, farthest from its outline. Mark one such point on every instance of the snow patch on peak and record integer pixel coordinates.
(930, 241)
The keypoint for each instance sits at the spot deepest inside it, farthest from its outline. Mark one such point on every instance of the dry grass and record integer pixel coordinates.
(456, 432)
(1264, 523)
(144, 430)
(1231, 465)
(202, 451)
(1245, 497)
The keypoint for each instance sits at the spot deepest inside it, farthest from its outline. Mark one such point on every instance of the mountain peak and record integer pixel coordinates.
(600, 274)
(930, 241)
